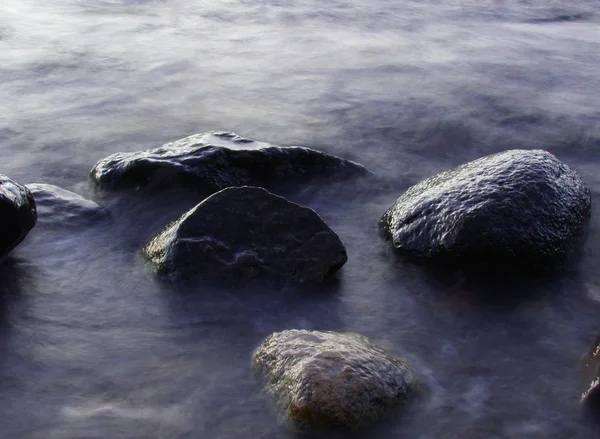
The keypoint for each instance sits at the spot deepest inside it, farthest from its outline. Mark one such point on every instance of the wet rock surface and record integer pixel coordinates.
(216, 160)
(328, 379)
(516, 208)
(247, 233)
(17, 214)
(62, 208)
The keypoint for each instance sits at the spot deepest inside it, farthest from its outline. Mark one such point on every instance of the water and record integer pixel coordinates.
(93, 346)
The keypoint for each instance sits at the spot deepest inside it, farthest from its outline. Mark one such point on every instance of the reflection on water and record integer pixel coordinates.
(93, 345)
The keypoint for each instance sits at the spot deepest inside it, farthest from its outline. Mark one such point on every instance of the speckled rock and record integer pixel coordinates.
(247, 233)
(61, 208)
(17, 214)
(517, 208)
(328, 379)
(216, 160)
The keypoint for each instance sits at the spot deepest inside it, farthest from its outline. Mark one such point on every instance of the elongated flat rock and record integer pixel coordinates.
(332, 379)
(247, 233)
(216, 160)
(518, 208)
(18, 214)
(62, 208)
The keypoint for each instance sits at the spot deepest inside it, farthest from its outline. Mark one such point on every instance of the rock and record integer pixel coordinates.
(516, 208)
(328, 379)
(17, 212)
(590, 399)
(216, 160)
(247, 233)
(62, 208)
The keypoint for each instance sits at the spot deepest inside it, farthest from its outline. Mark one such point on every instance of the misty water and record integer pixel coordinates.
(93, 345)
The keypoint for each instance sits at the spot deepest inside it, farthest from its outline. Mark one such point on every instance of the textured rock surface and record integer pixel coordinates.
(332, 379)
(215, 160)
(62, 208)
(518, 207)
(247, 233)
(17, 214)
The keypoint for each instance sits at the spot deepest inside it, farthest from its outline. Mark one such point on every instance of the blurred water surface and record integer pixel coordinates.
(93, 346)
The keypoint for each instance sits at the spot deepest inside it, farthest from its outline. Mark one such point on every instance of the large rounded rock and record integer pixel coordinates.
(332, 379)
(61, 208)
(215, 160)
(247, 233)
(520, 208)
(17, 214)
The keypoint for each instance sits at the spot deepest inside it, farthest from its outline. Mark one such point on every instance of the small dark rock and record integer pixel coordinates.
(562, 18)
(62, 208)
(328, 379)
(17, 212)
(517, 208)
(590, 399)
(247, 233)
(215, 160)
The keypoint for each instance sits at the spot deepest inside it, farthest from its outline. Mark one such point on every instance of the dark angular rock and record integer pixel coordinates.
(328, 379)
(62, 208)
(518, 208)
(215, 160)
(17, 214)
(247, 233)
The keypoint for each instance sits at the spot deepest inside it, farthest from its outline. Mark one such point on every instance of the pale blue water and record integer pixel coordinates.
(92, 346)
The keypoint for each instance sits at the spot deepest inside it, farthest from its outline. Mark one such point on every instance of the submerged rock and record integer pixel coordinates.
(17, 214)
(62, 208)
(332, 379)
(520, 208)
(247, 233)
(215, 160)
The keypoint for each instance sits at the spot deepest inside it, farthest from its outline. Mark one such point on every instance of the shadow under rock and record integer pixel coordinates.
(13, 276)
(14, 279)
(496, 286)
